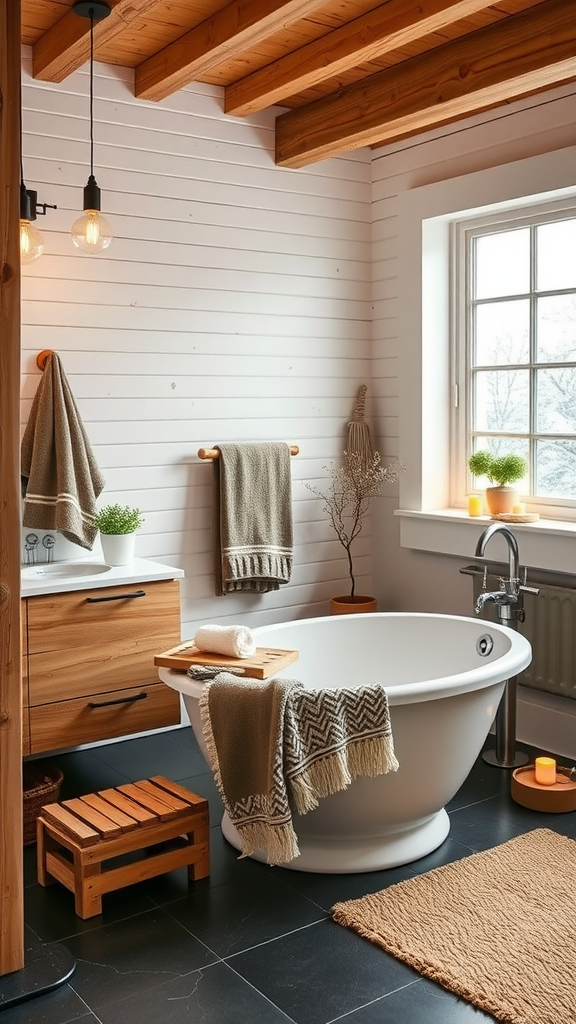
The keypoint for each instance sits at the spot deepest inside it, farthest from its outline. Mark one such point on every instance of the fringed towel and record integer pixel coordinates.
(60, 474)
(252, 517)
(273, 741)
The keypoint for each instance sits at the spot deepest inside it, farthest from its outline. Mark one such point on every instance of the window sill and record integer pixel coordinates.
(547, 544)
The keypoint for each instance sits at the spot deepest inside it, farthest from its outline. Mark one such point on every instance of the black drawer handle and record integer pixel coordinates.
(117, 597)
(119, 700)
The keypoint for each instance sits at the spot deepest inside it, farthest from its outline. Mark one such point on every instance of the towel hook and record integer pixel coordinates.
(42, 357)
(213, 453)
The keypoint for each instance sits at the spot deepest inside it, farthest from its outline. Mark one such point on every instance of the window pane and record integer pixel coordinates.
(502, 264)
(556, 328)
(501, 400)
(556, 400)
(502, 332)
(556, 245)
(556, 469)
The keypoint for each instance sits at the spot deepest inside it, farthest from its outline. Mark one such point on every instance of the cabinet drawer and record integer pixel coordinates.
(103, 616)
(72, 722)
(64, 675)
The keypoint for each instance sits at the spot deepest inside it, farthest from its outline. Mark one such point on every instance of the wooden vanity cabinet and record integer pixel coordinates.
(90, 663)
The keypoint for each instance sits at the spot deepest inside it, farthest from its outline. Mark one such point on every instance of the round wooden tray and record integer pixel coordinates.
(554, 799)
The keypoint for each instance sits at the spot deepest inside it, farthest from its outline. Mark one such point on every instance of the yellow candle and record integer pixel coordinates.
(545, 771)
(474, 504)
(519, 509)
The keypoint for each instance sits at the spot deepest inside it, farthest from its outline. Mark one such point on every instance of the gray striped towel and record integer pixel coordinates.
(252, 517)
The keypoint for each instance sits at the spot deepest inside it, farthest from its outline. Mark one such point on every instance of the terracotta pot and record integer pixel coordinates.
(501, 500)
(348, 605)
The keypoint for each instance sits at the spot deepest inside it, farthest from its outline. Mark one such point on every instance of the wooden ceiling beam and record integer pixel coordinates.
(235, 28)
(66, 46)
(394, 24)
(524, 54)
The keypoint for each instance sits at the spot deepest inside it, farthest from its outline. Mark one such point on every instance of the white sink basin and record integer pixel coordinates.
(63, 570)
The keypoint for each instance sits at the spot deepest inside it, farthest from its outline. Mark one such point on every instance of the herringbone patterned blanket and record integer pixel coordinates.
(273, 744)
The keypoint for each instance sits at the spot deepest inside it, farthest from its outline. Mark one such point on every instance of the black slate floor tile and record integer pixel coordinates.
(57, 1007)
(50, 911)
(321, 972)
(214, 995)
(137, 954)
(230, 918)
(420, 1003)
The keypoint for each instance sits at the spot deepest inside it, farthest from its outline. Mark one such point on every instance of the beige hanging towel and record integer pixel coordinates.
(252, 517)
(61, 479)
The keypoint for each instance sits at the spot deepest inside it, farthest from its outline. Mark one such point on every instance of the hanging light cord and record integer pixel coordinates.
(91, 92)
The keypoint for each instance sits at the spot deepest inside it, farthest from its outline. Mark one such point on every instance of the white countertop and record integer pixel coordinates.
(53, 577)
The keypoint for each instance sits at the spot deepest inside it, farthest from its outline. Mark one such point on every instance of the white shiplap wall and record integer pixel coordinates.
(233, 304)
(536, 125)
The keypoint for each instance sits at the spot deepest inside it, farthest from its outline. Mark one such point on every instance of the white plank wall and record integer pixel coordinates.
(233, 304)
(412, 580)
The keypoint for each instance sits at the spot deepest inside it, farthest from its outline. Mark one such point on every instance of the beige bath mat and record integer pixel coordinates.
(497, 928)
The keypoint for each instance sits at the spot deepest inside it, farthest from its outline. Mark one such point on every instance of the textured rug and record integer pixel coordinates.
(497, 928)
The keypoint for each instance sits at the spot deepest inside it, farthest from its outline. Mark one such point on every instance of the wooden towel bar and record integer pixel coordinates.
(213, 453)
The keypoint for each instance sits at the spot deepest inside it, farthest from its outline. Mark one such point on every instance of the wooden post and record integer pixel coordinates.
(11, 866)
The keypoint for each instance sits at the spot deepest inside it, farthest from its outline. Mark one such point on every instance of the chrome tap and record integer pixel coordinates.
(509, 599)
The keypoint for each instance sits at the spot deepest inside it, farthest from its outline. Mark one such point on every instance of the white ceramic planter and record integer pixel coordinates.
(118, 548)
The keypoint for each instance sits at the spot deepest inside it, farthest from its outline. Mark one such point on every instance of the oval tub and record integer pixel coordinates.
(443, 695)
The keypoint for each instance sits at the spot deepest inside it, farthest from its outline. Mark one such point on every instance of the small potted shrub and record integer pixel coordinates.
(502, 471)
(117, 525)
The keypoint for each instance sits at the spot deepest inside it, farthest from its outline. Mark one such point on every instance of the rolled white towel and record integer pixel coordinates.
(235, 641)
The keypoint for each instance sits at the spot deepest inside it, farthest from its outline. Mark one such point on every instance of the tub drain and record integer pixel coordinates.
(484, 645)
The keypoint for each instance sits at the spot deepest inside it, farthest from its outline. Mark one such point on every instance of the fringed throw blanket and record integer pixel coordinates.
(272, 742)
(252, 517)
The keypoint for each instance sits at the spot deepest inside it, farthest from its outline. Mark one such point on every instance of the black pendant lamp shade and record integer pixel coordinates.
(91, 233)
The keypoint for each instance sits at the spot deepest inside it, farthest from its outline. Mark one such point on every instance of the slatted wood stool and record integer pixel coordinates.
(76, 838)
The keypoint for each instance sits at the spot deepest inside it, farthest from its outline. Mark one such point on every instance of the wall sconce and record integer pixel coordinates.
(91, 232)
(31, 241)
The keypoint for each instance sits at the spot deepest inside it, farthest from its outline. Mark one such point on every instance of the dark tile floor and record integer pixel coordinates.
(251, 943)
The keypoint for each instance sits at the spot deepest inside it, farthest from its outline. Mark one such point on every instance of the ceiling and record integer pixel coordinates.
(350, 72)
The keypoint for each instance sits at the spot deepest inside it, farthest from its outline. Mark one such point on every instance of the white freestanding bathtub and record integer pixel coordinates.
(444, 677)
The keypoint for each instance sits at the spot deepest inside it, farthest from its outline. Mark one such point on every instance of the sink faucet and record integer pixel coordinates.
(509, 600)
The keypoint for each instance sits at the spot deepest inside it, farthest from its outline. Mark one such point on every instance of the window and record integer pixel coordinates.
(515, 348)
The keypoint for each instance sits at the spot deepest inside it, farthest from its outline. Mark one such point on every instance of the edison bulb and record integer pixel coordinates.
(91, 232)
(31, 242)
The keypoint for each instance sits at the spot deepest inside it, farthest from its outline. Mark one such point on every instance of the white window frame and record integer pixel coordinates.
(461, 232)
(429, 520)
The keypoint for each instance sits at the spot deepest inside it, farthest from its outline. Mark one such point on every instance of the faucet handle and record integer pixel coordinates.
(530, 590)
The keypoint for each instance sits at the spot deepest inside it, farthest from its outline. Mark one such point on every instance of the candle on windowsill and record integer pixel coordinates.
(474, 504)
(545, 771)
(519, 509)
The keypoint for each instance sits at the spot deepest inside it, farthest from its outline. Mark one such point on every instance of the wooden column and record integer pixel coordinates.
(11, 873)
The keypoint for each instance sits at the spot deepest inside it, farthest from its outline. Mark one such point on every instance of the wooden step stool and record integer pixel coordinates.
(76, 837)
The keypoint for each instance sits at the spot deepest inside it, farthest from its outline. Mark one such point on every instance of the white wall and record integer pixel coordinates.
(233, 304)
(408, 579)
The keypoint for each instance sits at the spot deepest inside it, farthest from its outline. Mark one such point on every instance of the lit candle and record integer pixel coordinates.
(519, 509)
(545, 771)
(474, 504)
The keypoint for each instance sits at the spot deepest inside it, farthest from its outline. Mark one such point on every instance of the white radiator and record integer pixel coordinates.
(550, 626)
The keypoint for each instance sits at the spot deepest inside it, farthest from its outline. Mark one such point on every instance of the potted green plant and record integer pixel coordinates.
(349, 494)
(117, 525)
(502, 471)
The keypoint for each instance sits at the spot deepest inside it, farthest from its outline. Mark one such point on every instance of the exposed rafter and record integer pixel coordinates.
(395, 24)
(237, 27)
(495, 65)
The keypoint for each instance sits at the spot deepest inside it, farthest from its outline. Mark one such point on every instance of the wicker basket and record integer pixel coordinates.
(41, 785)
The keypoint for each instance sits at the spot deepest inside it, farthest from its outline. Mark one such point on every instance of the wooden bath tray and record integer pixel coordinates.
(265, 662)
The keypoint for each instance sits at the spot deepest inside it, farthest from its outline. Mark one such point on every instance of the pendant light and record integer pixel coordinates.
(31, 241)
(91, 232)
